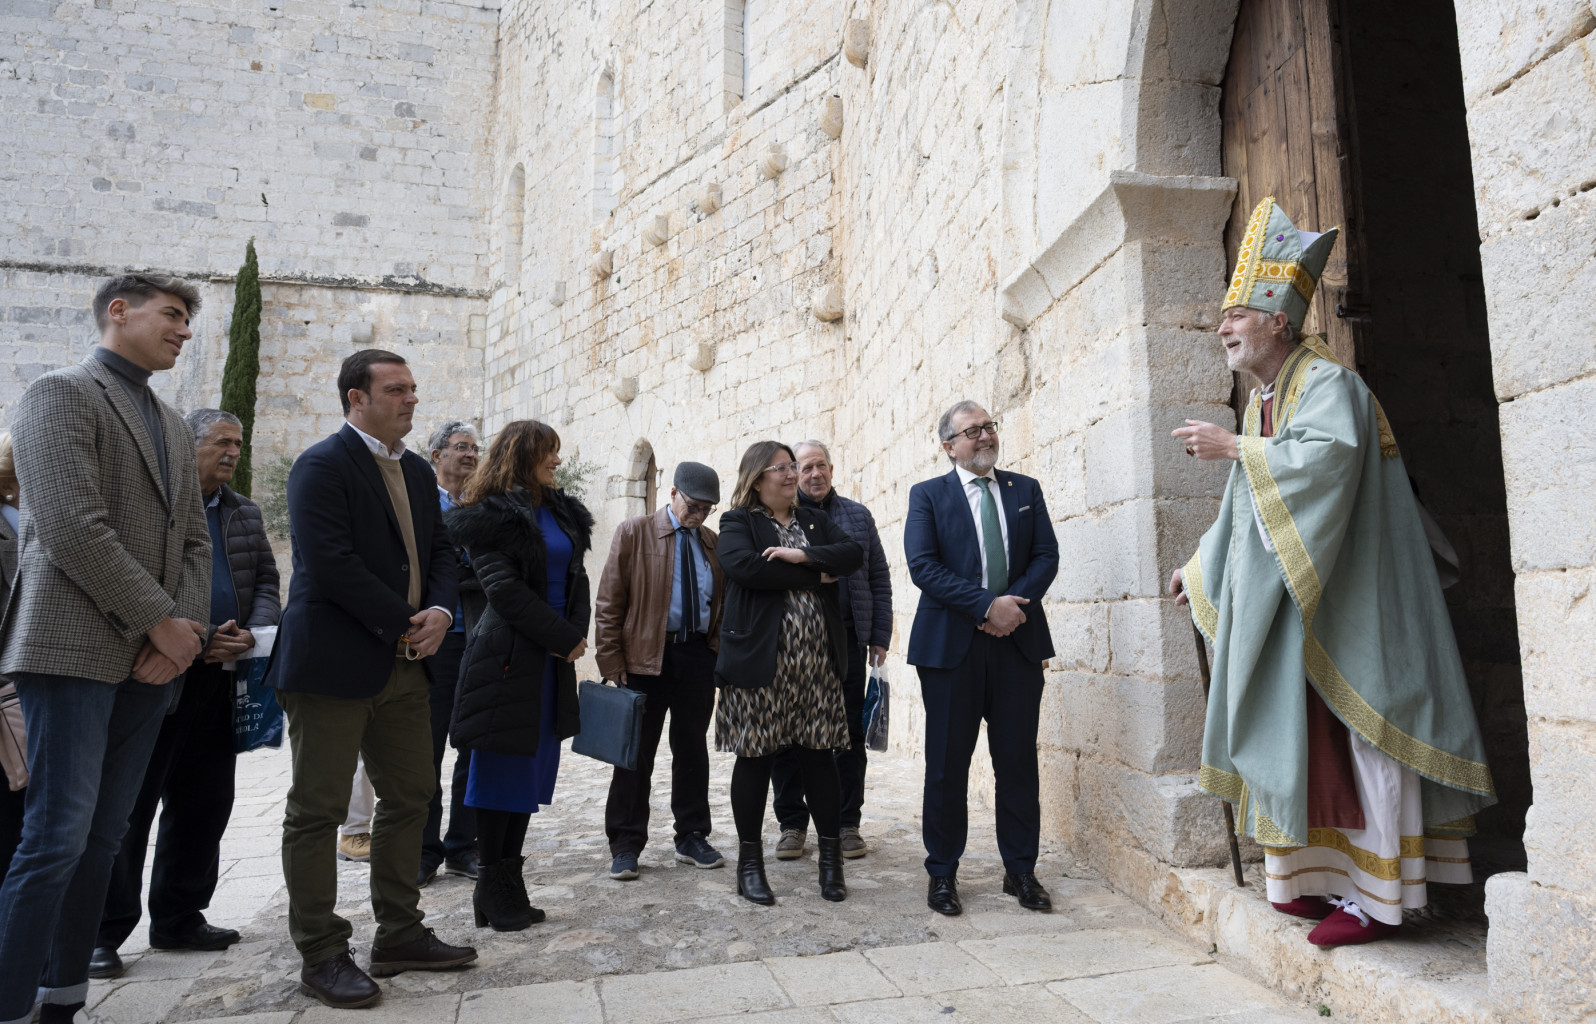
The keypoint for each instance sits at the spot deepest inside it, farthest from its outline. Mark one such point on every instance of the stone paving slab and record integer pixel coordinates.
(830, 978)
(1023, 959)
(1166, 995)
(679, 945)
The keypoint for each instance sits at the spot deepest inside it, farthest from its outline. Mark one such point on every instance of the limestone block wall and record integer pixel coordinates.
(1528, 71)
(344, 136)
(615, 363)
(699, 336)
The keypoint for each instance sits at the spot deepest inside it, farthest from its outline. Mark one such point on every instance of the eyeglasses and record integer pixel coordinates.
(463, 447)
(974, 433)
(780, 467)
(695, 509)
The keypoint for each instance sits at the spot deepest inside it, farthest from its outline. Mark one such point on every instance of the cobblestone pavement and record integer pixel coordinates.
(678, 944)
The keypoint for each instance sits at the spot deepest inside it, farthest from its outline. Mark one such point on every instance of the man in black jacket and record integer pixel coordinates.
(190, 775)
(374, 592)
(865, 600)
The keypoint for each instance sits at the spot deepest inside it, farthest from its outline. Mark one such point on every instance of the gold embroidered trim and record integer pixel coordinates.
(1301, 577)
(1225, 785)
(1288, 271)
(1316, 344)
(1246, 273)
(1302, 580)
(1343, 874)
(1387, 869)
(1203, 611)
(1269, 834)
(1289, 384)
(1462, 828)
(1432, 762)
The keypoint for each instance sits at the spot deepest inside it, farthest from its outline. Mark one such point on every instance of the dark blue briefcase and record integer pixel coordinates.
(612, 723)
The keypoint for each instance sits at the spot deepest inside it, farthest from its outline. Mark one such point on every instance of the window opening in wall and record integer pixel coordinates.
(606, 155)
(733, 66)
(514, 219)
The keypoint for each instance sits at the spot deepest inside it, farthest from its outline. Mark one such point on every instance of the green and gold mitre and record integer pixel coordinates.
(1278, 267)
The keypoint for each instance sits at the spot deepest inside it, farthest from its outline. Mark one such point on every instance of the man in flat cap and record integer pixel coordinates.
(657, 630)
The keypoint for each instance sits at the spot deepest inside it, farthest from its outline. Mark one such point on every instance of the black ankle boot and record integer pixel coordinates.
(832, 886)
(518, 883)
(58, 1013)
(751, 884)
(496, 901)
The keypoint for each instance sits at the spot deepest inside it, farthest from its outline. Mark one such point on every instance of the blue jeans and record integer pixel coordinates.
(88, 745)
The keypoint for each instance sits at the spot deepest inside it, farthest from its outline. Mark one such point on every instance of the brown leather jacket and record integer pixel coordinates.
(634, 596)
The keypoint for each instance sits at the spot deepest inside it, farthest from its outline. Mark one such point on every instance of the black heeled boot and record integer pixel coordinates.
(523, 900)
(832, 887)
(496, 901)
(751, 884)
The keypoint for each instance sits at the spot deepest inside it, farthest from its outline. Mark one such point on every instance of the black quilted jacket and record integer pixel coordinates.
(249, 556)
(498, 706)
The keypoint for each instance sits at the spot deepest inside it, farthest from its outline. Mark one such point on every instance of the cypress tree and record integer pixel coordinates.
(243, 359)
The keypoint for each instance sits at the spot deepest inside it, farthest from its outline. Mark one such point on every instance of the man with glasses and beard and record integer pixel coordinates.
(981, 549)
(657, 631)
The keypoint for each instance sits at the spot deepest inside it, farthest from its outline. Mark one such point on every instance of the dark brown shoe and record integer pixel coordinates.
(338, 983)
(427, 953)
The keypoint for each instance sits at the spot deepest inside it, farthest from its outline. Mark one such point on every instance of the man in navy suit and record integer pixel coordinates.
(373, 594)
(981, 549)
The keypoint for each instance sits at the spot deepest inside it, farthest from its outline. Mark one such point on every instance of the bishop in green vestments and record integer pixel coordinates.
(1339, 722)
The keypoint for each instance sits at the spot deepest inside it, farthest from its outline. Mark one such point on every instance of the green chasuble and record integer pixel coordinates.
(1318, 567)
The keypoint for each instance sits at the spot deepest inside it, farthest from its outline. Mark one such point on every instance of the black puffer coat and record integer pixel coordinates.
(249, 556)
(498, 705)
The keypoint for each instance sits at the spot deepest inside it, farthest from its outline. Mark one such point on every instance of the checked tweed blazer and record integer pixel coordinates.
(104, 553)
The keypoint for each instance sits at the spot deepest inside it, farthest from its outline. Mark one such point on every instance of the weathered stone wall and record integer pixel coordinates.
(344, 136)
(1528, 74)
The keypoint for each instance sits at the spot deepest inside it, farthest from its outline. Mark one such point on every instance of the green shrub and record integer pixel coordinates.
(572, 477)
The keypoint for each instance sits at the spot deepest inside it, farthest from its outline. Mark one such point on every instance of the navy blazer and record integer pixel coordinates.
(346, 602)
(940, 541)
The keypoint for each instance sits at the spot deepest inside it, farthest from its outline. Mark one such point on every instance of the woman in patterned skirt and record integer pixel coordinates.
(783, 652)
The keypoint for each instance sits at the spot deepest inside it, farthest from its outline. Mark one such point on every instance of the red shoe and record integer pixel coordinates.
(1344, 929)
(1313, 907)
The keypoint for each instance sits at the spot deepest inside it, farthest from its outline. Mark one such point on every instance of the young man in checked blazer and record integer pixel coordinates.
(109, 606)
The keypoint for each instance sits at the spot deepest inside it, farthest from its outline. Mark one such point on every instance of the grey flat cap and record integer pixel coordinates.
(698, 482)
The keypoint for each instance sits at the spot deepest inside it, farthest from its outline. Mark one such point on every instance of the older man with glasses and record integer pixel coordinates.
(657, 630)
(982, 551)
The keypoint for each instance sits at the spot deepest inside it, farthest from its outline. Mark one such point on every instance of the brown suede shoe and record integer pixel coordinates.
(339, 983)
(426, 953)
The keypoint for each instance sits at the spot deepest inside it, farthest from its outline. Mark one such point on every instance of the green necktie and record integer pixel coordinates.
(997, 560)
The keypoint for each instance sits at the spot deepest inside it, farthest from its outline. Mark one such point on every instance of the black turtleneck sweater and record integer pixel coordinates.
(135, 380)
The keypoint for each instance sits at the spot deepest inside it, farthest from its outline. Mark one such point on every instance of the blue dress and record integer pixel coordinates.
(509, 782)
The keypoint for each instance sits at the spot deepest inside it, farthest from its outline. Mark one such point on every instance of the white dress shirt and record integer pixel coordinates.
(972, 493)
(379, 449)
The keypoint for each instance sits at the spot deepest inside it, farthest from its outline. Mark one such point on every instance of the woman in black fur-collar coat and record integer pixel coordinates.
(516, 698)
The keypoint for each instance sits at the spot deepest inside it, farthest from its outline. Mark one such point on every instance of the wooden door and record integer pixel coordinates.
(1285, 117)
